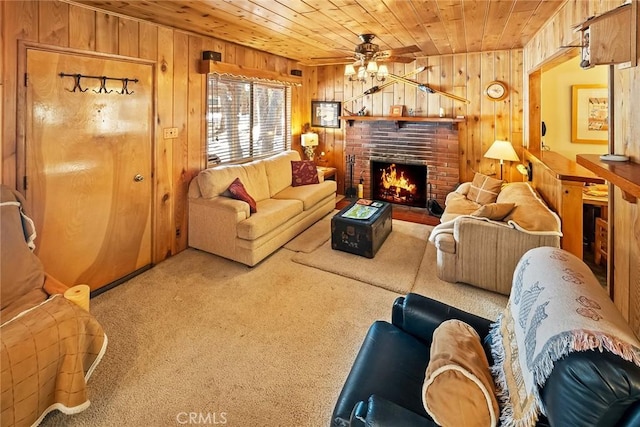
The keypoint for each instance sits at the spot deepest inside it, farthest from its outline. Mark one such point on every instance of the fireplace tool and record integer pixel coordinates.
(350, 191)
(433, 206)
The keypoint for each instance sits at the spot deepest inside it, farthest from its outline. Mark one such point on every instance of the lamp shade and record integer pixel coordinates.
(383, 71)
(349, 70)
(502, 150)
(309, 139)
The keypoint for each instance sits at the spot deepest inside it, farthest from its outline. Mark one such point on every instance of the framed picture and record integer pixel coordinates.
(325, 114)
(589, 114)
(397, 111)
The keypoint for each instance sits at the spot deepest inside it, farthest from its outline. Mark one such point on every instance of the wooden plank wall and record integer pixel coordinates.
(180, 92)
(625, 224)
(464, 75)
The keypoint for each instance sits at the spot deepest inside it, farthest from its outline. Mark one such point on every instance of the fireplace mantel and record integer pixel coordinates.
(402, 119)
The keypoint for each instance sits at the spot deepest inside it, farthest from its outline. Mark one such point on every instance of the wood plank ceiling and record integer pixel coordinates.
(304, 30)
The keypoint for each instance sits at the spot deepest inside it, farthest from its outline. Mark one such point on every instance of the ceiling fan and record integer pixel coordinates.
(368, 51)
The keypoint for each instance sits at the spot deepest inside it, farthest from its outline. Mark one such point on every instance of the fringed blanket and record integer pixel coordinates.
(48, 354)
(556, 307)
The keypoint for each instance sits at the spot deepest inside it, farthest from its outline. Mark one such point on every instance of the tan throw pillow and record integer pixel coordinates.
(494, 211)
(458, 388)
(484, 189)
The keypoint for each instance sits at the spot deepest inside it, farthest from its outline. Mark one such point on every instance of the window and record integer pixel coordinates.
(246, 119)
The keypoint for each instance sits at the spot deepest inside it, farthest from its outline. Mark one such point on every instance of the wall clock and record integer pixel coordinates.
(496, 90)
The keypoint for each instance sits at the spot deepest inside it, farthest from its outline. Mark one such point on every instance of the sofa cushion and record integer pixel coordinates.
(256, 184)
(271, 213)
(238, 192)
(278, 169)
(484, 189)
(457, 204)
(23, 303)
(214, 182)
(303, 172)
(458, 387)
(494, 211)
(309, 195)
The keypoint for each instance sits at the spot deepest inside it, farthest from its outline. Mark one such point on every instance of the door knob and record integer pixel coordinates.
(138, 178)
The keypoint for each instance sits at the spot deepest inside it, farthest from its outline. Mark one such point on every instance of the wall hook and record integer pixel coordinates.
(125, 89)
(103, 83)
(103, 86)
(76, 86)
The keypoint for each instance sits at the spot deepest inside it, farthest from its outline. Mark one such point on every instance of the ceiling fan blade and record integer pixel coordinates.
(334, 61)
(403, 59)
(402, 50)
(345, 57)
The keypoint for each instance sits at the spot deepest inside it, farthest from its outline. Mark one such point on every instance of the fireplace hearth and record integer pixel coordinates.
(400, 183)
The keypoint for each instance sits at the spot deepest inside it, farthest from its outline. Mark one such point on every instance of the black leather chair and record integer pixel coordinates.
(384, 387)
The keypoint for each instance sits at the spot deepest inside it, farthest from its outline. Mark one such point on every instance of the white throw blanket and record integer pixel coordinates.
(556, 307)
(447, 227)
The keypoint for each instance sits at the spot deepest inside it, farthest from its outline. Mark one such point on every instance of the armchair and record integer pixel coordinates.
(384, 386)
(49, 345)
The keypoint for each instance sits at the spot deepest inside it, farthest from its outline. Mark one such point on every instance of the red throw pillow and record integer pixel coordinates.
(238, 191)
(303, 172)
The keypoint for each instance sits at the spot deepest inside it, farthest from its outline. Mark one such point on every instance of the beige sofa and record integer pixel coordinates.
(224, 226)
(484, 252)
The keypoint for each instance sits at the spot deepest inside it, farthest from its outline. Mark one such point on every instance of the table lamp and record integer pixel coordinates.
(309, 141)
(502, 150)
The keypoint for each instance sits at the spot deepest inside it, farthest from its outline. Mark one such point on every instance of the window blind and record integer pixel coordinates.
(246, 119)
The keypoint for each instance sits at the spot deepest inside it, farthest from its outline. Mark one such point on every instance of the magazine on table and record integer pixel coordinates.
(362, 209)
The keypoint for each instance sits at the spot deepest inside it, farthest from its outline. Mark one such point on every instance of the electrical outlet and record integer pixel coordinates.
(170, 133)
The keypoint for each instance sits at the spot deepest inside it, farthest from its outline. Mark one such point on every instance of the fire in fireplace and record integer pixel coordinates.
(401, 183)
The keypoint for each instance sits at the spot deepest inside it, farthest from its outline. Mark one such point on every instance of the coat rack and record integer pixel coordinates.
(103, 83)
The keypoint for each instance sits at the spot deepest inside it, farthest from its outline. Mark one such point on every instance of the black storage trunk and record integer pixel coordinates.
(361, 236)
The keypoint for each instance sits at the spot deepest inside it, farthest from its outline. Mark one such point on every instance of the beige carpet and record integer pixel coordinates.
(266, 346)
(313, 237)
(394, 266)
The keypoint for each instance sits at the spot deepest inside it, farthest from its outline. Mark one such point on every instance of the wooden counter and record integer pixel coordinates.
(564, 168)
(625, 175)
(559, 181)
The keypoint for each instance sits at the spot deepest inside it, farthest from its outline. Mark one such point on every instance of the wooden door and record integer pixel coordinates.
(88, 166)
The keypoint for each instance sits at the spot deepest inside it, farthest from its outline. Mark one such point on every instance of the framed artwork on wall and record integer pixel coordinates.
(325, 114)
(589, 114)
(397, 111)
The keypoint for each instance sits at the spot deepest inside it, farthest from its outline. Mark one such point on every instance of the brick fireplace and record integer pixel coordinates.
(434, 144)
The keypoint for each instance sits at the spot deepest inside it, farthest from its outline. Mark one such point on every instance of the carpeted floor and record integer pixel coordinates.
(394, 266)
(269, 345)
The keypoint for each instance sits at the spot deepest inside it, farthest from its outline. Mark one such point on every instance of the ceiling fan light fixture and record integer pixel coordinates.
(349, 70)
(383, 71)
(372, 67)
(362, 73)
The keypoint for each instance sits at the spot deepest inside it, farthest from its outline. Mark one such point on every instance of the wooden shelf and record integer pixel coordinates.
(401, 119)
(563, 168)
(625, 175)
